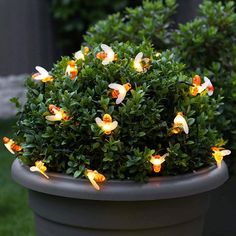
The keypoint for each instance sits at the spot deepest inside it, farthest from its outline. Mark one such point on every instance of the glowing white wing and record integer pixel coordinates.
(106, 48)
(99, 121)
(41, 70)
(79, 55)
(118, 87)
(113, 125)
(179, 119)
(138, 57)
(225, 152)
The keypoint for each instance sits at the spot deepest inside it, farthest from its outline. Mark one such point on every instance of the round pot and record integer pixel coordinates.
(165, 206)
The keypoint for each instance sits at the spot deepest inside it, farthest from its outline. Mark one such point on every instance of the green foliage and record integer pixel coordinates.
(205, 45)
(145, 117)
(152, 21)
(208, 44)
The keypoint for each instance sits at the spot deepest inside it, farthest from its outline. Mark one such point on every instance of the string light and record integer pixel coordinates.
(119, 91)
(11, 146)
(39, 167)
(95, 177)
(219, 153)
(180, 124)
(71, 69)
(198, 88)
(42, 75)
(57, 114)
(106, 123)
(107, 56)
(157, 160)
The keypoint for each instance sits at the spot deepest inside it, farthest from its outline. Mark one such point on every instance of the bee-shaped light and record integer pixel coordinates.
(39, 167)
(57, 114)
(95, 177)
(198, 88)
(157, 160)
(71, 69)
(119, 91)
(42, 75)
(11, 146)
(80, 55)
(180, 124)
(106, 123)
(141, 64)
(219, 153)
(107, 56)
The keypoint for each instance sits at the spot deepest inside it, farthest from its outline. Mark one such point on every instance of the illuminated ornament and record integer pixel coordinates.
(57, 114)
(157, 160)
(11, 146)
(95, 177)
(180, 124)
(198, 88)
(39, 167)
(141, 64)
(119, 91)
(42, 75)
(219, 153)
(208, 85)
(107, 56)
(106, 123)
(71, 69)
(80, 55)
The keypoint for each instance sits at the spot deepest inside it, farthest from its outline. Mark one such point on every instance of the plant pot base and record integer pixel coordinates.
(77, 217)
(48, 228)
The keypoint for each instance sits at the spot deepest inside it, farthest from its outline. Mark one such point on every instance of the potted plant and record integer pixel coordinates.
(133, 123)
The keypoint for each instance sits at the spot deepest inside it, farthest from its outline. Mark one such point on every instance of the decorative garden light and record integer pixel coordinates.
(39, 167)
(80, 55)
(71, 69)
(11, 146)
(219, 153)
(95, 177)
(141, 64)
(42, 75)
(198, 88)
(180, 124)
(106, 123)
(119, 91)
(57, 114)
(157, 160)
(107, 56)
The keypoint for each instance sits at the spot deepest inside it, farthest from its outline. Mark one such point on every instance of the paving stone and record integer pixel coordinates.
(11, 86)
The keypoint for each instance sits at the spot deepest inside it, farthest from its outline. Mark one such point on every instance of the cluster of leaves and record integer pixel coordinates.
(151, 21)
(206, 45)
(73, 17)
(144, 118)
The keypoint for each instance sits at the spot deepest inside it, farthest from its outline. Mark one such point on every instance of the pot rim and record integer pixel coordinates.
(167, 187)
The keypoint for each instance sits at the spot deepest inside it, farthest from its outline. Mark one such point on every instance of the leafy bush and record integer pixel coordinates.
(160, 89)
(208, 44)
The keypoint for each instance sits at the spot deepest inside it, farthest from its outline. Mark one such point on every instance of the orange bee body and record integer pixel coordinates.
(72, 69)
(95, 177)
(101, 55)
(11, 145)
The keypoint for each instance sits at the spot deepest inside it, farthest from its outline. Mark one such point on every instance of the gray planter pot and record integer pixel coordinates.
(165, 206)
